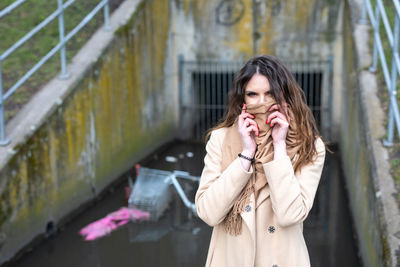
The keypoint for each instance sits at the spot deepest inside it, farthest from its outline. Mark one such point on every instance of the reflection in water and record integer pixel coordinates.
(179, 238)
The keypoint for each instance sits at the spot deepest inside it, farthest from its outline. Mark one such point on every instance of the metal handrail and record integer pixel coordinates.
(180, 174)
(59, 47)
(390, 76)
(11, 7)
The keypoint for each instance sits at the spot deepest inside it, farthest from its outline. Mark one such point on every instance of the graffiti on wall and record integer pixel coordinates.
(229, 12)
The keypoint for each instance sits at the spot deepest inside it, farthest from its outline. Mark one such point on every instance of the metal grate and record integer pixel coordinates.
(204, 87)
(314, 77)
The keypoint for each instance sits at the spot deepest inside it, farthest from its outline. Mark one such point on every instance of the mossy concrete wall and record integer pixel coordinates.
(295, 30)
(291, 29)
(117, 113)
(365, 162)
(353, 147)
(305, 30)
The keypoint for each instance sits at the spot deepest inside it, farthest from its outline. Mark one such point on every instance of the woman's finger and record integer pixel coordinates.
(250, 122)
(279, 108)
(244, 116)
(246, 123)
(283, 109)
(275, 114)
(251, 129)
(243, 109)
(274, 107)
(277, 120)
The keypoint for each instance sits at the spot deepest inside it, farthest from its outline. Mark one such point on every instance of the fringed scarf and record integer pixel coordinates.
(264, 153)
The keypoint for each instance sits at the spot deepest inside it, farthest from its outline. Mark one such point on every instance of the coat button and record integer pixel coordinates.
(271, 229)
(247, 208)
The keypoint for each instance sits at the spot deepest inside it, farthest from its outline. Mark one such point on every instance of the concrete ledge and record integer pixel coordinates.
(373, 114)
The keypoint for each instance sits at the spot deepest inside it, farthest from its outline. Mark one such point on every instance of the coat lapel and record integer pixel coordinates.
(263, 195)
(249, 218)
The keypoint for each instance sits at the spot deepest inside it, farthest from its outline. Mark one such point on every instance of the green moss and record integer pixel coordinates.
(385, 251)
(124, 29)
(53, 172)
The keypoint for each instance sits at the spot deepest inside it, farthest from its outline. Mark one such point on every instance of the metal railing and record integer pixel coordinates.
(59, 47)
(390, 75)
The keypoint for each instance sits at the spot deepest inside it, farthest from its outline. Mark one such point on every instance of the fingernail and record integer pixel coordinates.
(266, 122)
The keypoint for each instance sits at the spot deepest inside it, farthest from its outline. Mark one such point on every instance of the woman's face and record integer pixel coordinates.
(257, 90)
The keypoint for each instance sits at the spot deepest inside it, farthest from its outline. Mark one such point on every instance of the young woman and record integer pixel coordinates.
(261, 173)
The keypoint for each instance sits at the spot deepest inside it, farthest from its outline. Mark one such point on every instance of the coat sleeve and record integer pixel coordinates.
(292, 195)
(218, 190)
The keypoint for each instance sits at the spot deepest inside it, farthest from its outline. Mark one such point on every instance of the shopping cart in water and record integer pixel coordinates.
(153, 191)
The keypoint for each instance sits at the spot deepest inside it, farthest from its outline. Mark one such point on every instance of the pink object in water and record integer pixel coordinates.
(112, 221)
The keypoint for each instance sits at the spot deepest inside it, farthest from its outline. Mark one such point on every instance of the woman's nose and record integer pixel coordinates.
(262, 99)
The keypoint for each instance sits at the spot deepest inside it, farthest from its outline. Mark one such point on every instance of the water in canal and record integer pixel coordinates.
(181, 240)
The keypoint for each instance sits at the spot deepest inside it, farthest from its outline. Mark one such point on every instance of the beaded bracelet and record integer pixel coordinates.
(243, 156)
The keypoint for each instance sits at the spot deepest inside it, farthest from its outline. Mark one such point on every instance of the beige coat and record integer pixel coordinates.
(272, 230)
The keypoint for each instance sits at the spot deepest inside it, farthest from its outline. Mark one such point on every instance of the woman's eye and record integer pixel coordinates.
(250, 94)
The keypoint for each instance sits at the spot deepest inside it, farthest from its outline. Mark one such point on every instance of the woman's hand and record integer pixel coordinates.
(247, 128)
(280, 126)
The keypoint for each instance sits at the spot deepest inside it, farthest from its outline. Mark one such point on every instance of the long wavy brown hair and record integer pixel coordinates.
(282, 83)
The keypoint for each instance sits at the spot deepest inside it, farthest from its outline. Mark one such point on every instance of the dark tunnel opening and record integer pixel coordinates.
(210, 95)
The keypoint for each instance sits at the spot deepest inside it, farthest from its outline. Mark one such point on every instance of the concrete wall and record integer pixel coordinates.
(365, 160)
(121, 103)
(313, 30)
(293, 30)
(354, 155)
(114, 113)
